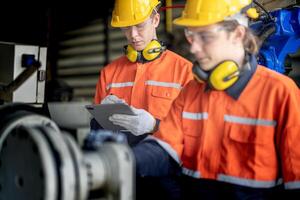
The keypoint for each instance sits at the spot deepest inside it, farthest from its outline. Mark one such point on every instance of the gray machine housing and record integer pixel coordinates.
(32, 90)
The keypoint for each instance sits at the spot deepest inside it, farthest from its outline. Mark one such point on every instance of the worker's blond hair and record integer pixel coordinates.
(251, 42)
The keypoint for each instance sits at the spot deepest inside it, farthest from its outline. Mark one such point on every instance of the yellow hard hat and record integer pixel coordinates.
(206, 12)
(132, 12)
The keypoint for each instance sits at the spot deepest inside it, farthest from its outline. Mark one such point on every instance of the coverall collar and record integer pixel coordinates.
(236, 89)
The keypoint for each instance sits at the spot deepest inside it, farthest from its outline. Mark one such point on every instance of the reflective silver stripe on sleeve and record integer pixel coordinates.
(166, 147)
(164, 84)
(195, 116)
(246, 182)
(249, 121)
(192, 173)
(292, 185)
(119, 85)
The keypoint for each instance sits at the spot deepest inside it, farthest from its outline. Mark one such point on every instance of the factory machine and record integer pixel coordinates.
(22, 73)
(279, 31)
(40, 161)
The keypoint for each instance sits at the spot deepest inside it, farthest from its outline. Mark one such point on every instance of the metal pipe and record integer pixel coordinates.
(169, 16)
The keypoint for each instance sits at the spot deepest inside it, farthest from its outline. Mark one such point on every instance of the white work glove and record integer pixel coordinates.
(111, 99)
(140, 123)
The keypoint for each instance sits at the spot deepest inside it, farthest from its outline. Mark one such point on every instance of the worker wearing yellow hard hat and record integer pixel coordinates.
(147, 77)
(130, 14)
(234, 130)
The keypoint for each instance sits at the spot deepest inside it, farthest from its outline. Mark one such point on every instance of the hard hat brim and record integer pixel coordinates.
(129, 23)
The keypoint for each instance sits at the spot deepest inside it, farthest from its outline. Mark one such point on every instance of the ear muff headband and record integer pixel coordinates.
(199, 74)
(221, 77)
(151, 52)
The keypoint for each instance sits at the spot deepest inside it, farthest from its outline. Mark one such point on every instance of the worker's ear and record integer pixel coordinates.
(238, 34)
(156, 20)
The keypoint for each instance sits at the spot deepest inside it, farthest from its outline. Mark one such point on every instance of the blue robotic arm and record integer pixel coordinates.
(280, 35)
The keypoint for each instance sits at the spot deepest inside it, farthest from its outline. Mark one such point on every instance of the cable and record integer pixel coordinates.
(171, 7)
(263, 8)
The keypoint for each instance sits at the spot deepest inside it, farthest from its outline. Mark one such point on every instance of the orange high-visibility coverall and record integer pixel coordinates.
(252, 141)
(151, 86)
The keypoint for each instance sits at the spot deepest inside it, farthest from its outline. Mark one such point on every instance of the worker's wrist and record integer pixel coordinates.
(156, 125)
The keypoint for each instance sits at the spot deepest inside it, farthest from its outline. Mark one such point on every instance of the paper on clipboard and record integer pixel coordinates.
(101, 113)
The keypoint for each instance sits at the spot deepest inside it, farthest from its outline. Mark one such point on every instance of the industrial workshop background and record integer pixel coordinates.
(66, 49)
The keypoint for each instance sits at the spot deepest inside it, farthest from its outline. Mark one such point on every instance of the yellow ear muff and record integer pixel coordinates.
(152, 50)
(131, 53)
(224, 75)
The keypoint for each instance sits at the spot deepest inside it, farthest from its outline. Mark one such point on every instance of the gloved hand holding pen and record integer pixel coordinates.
(140, 123)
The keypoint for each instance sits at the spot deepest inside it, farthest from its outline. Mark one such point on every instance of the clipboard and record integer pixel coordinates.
(101, 113)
